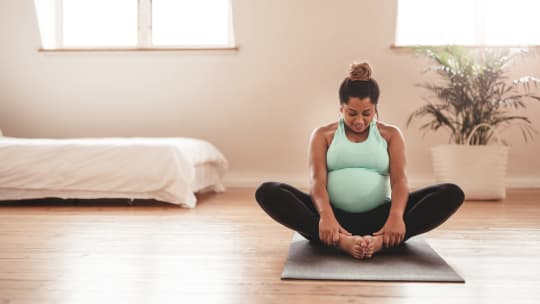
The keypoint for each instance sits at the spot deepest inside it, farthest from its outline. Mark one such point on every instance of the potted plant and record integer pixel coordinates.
(473, 101)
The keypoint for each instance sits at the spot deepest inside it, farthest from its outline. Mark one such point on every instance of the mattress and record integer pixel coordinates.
(166, 169)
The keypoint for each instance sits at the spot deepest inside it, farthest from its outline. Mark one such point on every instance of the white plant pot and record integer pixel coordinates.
(479, 170)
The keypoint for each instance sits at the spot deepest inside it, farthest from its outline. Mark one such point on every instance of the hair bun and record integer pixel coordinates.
(360, 71)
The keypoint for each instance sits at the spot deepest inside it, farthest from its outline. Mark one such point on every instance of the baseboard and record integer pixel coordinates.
(255, 181)
(523, 183)
(301, 182)
(511, 182)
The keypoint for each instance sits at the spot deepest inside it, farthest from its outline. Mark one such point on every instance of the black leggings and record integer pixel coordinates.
(426, 209)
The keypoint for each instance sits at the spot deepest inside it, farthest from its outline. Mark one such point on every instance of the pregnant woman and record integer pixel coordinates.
(359, 199)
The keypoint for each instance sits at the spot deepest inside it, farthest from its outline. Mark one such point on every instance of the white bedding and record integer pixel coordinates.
(165, 169)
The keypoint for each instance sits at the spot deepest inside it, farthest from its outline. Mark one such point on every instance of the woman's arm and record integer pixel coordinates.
(318, 173)
(393, 230)
(398, 177)
(329, 228)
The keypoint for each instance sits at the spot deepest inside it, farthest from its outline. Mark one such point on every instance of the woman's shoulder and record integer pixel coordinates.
(331, 127)
(387, 130)
(326, 131)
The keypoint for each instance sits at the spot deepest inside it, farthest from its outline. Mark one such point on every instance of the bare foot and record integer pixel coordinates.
(374, 245)
(354, 245)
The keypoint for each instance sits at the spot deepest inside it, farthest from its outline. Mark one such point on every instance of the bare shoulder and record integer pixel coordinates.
(388, 131)
(325, 132)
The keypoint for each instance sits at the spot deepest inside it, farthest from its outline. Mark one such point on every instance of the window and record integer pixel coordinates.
(137, 24)
(468, 22)
(99, 23)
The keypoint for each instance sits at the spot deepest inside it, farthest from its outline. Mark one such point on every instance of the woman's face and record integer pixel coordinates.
(358, 113)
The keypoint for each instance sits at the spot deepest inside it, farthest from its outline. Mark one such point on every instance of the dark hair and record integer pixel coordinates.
(359, 84)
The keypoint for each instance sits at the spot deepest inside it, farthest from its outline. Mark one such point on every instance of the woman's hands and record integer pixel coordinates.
(393, 230)
(329, 230)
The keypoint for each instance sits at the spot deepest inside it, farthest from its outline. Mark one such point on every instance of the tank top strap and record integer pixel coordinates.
(341, 126)
(374, 132)
(373, 126)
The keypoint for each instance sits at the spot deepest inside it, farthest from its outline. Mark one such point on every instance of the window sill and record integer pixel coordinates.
(412, 47)
(231, 49)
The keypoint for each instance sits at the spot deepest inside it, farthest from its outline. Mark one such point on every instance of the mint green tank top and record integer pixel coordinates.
(358, 178)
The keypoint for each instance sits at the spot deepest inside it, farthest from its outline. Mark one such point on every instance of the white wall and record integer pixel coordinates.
(258, 105)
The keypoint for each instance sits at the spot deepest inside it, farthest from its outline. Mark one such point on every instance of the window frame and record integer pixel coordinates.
(144, 37)
(479, 30)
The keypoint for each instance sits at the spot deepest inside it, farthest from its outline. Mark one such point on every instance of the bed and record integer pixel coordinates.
(165, 169)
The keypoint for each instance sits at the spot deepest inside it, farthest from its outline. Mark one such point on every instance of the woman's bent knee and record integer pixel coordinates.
(265, 190)
(454, 191)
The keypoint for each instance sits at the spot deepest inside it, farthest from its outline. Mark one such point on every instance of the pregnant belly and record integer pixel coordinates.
(357, 189)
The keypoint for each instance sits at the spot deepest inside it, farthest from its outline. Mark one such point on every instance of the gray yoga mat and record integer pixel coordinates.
(413, 261)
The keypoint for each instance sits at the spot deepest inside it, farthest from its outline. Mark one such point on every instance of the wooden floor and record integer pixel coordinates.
(228, 251)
